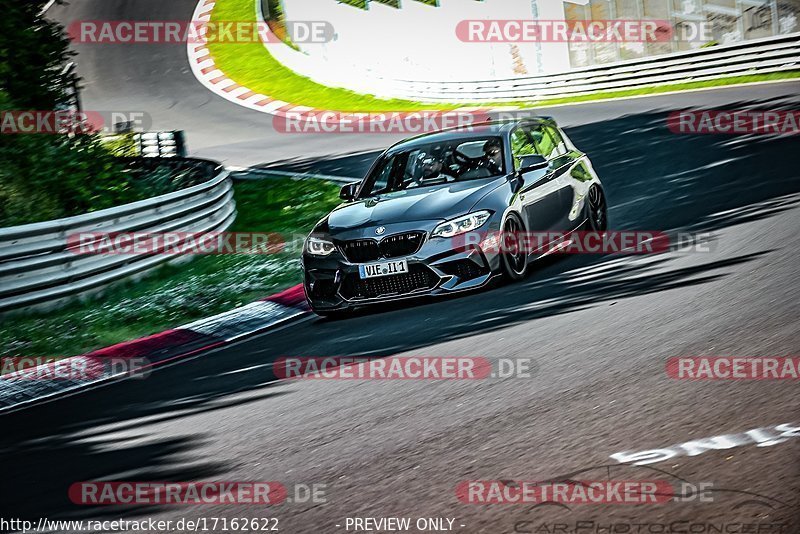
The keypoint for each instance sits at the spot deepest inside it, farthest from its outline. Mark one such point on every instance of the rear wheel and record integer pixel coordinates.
(514, 257)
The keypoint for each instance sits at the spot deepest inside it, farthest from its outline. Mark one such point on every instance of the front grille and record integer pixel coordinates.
(361, 251)
(398, 245)
(393, 246)
(463, 269)
(418, 278)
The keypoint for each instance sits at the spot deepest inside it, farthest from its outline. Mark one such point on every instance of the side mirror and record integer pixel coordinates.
(532, 162)
(348, 192)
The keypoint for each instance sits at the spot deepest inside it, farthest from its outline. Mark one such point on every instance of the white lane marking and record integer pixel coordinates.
(761, 437)
(236, 371)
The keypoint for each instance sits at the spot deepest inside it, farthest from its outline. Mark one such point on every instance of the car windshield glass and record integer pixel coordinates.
(437, 163)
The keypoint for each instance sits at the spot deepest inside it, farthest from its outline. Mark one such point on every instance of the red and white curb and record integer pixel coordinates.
(208, 74)
(22, 389)
(253, 317)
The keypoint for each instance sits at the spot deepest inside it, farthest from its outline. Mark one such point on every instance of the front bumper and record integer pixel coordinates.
(333, 283)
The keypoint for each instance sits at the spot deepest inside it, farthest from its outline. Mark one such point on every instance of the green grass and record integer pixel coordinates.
(251, 65)
(176, 295)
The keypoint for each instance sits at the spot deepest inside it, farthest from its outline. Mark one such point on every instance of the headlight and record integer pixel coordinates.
(460, 225)
(319, 247)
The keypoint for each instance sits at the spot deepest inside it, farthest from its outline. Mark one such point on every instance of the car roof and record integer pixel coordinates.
(470, 131)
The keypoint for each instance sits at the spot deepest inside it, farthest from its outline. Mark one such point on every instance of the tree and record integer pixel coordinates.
(33, 53)
(47, 176)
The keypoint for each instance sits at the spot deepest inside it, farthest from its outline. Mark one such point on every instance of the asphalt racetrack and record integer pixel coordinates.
(600, 330)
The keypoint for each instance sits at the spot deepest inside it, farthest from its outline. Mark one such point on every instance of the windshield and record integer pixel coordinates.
(436, 163)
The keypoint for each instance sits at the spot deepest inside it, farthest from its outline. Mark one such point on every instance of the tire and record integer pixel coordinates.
(514, 262)
(597, 220)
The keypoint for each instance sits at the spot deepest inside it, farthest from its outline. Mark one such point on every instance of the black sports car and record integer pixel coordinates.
(401, 231)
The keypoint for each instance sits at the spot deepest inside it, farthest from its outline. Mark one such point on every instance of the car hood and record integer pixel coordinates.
(436, 202)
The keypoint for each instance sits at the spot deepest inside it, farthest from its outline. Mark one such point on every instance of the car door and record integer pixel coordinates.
(551, 145)
(539, 192)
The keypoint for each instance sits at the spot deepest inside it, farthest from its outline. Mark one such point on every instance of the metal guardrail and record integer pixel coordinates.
(38, 269)
(256, 173)
(758, 56)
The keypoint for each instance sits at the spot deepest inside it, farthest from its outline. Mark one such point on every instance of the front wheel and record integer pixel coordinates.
(514, 257)
(598, 212)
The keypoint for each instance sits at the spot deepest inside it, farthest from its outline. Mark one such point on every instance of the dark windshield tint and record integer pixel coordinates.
(437, 163)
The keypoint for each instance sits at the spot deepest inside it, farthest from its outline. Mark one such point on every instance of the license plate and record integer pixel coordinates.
(384, 268)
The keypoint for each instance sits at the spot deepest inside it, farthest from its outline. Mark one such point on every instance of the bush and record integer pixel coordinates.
(51, 176)
(121, 144)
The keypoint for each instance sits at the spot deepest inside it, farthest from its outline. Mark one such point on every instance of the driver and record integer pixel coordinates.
(431, 167)
(493, 155)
